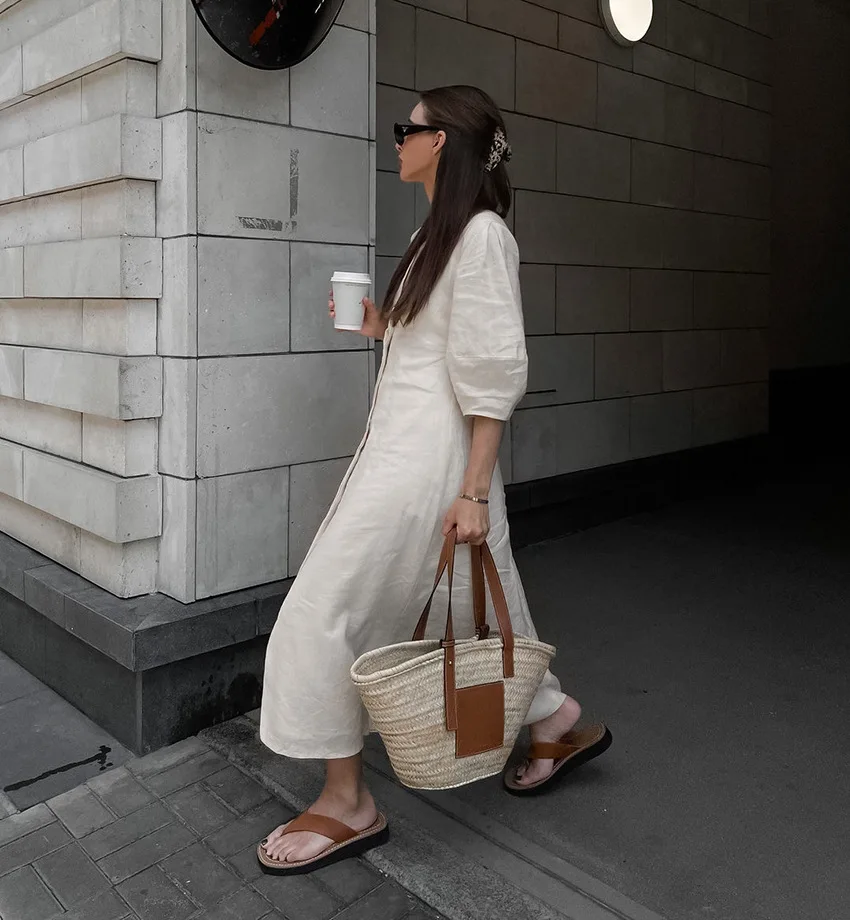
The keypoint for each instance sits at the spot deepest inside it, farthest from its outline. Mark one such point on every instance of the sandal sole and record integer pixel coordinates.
(344, 851)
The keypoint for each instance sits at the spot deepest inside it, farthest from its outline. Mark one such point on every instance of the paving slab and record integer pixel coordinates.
(244, 904)
(104, 906)
(28, 849)
(24, 896)
(349, 878)
(25, 822)
(80, 811)
(389, 902)
(198, 872)
(186, 773)
(236, 790)
(298, 897)
(125, 831)
(142, 854)
(120, 792)
(71, 875)
(154, 897)
(199, 809)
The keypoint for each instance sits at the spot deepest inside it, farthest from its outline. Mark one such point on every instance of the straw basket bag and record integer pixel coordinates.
(449, 711)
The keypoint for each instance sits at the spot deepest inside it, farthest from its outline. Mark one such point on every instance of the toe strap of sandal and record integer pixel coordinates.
(550, 750)
(322, 825)
(574, 741)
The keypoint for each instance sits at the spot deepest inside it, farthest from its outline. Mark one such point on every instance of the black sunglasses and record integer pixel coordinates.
(402, 132)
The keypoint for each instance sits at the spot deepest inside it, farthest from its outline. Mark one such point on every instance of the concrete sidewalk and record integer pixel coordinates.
(172, 836)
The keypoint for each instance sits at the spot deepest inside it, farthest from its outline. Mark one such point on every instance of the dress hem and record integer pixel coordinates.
(299, 752)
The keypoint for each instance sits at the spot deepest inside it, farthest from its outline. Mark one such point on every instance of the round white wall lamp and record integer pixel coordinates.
(627, 21)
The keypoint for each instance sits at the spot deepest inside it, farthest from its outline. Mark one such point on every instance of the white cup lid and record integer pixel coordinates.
(352, 277)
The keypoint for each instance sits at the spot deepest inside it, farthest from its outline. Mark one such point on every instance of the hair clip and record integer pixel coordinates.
(500, 150)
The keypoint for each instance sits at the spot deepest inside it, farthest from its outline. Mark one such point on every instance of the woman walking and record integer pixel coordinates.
(454, 368)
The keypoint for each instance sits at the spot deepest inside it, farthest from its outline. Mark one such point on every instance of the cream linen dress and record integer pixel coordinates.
(371, 566)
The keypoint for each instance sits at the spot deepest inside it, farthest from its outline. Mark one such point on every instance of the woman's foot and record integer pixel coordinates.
(549, 729)
(356, 810)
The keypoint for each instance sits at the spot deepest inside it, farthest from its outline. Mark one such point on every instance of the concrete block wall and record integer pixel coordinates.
(265, 192)
(175, 411)
(80, 273)
(642, 212)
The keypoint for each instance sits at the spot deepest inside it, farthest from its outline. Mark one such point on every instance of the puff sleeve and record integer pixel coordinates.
(486, 353)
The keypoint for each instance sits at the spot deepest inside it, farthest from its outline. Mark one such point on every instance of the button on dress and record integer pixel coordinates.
(370, 568)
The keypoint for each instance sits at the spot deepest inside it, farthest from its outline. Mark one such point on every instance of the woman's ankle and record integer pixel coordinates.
(568, 713)
(349, 795)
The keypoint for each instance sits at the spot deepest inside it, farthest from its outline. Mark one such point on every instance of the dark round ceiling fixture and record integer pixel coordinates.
(268, 34)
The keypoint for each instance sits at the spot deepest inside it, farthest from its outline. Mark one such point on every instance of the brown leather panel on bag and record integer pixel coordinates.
(480, 719)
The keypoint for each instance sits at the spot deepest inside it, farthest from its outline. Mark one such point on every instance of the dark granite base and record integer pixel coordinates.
(180, 699)
(150, 670)
(144, 710)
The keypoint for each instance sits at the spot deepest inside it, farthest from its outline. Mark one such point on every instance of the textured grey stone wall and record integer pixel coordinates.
(642, 211)
(175, 409)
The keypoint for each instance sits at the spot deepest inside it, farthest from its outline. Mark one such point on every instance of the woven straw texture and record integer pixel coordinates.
(401, 687)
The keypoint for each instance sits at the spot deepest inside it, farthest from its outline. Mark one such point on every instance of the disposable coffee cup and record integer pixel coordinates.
(349, 290)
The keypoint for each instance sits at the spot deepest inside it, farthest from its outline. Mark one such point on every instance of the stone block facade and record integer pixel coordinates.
(169, 221)
(642, 212)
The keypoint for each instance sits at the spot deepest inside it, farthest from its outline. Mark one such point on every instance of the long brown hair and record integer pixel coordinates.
(463, 188)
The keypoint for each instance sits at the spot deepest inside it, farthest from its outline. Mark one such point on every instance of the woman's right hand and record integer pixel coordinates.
(374, 325)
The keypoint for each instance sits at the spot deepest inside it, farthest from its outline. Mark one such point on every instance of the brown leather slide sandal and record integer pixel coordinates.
(346, 843)
(573, 749)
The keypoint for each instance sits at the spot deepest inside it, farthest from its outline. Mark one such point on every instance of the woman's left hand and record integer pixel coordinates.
(471, 519)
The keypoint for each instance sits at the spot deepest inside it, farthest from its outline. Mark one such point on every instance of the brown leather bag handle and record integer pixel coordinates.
(479, 600)
(500, 605)
(483, 562)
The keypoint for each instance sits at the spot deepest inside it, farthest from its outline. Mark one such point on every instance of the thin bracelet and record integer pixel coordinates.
(472, 498)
